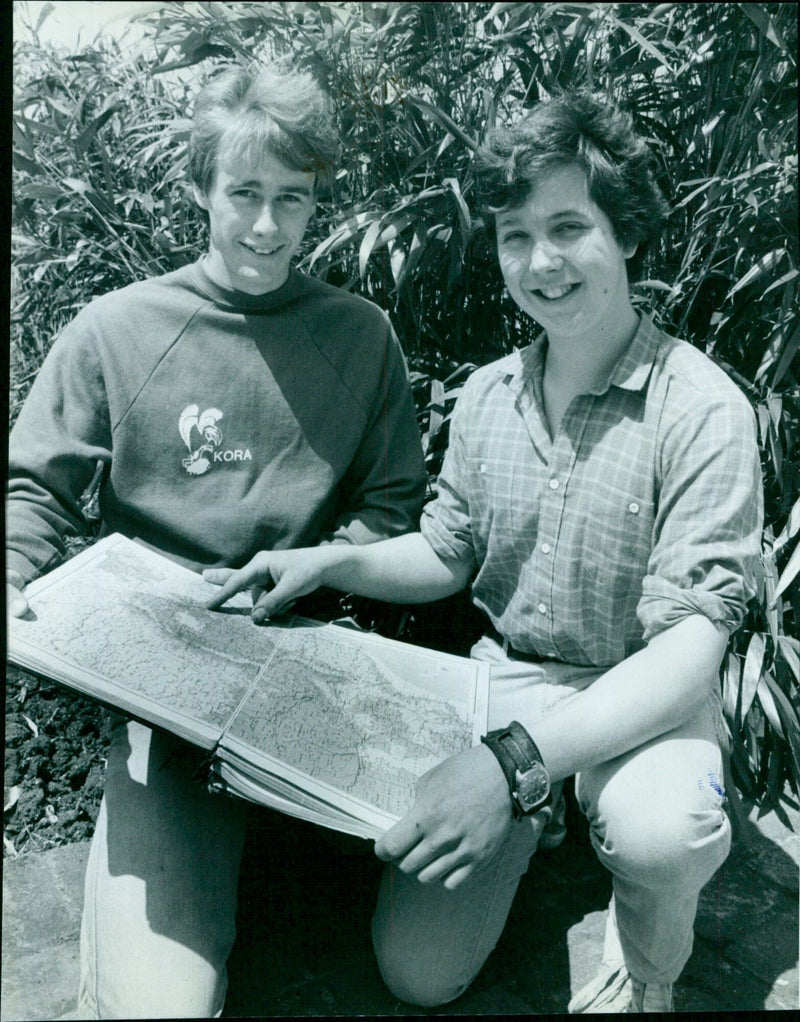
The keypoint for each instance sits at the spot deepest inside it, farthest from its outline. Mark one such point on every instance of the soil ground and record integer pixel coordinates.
(54, 764)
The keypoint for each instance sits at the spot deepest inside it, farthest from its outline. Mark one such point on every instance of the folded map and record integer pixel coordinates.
(321, 721)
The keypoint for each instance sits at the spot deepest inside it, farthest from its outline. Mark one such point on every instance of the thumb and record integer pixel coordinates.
(271, 603)
(18, 606)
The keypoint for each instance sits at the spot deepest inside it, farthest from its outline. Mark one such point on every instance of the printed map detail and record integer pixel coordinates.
(317, 719)
(141, 624)
(336, 710)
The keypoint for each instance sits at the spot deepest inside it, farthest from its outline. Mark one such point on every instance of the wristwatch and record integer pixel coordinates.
(527, 776)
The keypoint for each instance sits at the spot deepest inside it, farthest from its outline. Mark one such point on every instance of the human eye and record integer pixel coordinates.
(569, 228)
(292, 198)
(512, 236)
(244, 193)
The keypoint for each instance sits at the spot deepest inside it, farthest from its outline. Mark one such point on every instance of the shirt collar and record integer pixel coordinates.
(631, 372)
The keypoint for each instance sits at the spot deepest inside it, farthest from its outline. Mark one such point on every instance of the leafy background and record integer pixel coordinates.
(100, 199)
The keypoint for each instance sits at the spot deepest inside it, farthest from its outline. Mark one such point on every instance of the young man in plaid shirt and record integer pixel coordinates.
(601, 494)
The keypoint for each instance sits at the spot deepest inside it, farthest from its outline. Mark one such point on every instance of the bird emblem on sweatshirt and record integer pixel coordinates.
(200, 433)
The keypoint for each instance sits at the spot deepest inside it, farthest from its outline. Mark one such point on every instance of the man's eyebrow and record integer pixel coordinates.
(511, 215)
(255, 183)
(581, 213)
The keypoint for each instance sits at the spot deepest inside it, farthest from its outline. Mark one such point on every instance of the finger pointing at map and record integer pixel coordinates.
(285, 575)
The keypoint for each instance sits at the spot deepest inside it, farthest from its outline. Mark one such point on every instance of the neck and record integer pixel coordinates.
(587, 361)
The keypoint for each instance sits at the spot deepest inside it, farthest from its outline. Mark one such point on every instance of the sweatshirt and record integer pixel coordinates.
(225, 423)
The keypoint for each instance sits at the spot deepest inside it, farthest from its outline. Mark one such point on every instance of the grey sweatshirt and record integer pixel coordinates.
(226, 423)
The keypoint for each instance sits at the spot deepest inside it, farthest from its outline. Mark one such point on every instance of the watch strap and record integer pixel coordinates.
(507, 762)
(515, 751)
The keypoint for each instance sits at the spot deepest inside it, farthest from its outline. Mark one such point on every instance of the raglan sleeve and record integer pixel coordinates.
(706, 552)
(61, 434)
(383, 490)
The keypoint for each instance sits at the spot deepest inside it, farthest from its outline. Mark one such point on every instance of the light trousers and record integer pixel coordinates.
(161, 883)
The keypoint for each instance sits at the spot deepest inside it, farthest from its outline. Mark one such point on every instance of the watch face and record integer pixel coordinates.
(533, 787)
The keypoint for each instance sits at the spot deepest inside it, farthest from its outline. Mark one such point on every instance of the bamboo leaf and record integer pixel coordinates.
(643, 43)
(765, 23)
(768, 706)
(789, 573)
(731, 678)
(368, 243)
(753, 663)
(44, 14)
(787, 356)
(464, 219)
(764, 264)
(788, 716)
(790, 654)
(790, 530)
(445, 120)
(397, 258)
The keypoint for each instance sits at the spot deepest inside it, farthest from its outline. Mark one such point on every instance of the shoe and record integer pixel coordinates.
(650, 996)
(614, 991)
(609, 993)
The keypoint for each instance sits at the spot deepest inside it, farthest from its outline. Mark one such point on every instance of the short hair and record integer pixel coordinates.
(251, 112)
(587, 130)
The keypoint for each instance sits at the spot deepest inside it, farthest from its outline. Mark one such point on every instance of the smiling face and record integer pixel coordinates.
(561, 261)
(258, 210)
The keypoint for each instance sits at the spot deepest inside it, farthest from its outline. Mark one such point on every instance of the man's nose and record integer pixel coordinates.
(265, 222)
(544, 258)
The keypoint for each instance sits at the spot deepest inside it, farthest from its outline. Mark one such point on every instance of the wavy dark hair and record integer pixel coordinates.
(583, 128)
(273, 109)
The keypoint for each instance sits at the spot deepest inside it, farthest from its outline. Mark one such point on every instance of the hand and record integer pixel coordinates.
(277, 578)
(461, 817)
(16, 604)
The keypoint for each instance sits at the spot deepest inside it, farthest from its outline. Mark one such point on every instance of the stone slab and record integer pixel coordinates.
(745, 954)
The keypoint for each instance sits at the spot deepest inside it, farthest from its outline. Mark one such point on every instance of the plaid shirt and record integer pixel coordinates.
(645, 508)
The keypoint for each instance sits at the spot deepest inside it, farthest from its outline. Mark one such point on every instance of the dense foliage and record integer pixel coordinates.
(100, 199)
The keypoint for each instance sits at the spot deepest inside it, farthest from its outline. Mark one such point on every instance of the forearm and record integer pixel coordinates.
(37, 524)
(400, 570)
(648, 694)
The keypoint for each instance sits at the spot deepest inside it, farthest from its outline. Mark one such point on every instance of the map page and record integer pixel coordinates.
(355, 720)
(127, 626)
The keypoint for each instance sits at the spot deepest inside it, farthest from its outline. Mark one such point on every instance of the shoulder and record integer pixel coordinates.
(174, 287)
(692, 373)
(487, 379)
(321, 300)
(696, 402)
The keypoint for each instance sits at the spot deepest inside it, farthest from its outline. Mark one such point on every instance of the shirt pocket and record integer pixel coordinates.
(491, 495)
(614, 539)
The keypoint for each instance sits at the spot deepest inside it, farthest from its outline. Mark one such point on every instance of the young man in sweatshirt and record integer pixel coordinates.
(234, 405)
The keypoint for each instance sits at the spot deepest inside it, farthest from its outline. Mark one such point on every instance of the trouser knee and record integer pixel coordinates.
(413, 980)
(665, 847)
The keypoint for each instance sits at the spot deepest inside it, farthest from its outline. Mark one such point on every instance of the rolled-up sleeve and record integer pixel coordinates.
(705, 557)
(446, 523)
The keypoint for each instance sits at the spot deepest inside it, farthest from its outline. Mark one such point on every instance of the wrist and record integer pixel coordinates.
(334, 560)
(521, 762)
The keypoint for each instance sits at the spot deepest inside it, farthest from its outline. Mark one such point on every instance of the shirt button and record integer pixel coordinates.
(542, 608)
(633, 507)
(553, 484)
(483, 468)
(545, 548)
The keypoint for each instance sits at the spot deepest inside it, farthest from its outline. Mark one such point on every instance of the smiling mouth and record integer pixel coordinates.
(262, 251)
(552, 294)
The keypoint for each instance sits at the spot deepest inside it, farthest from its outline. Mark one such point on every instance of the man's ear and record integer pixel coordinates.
(629, 249)
(200, 197)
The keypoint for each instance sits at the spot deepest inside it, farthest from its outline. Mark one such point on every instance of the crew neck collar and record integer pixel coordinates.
(243, 300)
